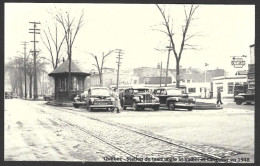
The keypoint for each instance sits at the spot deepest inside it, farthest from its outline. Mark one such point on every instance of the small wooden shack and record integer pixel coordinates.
(61, 75)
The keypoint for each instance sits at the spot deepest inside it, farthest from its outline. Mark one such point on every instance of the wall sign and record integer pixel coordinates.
(238, 62)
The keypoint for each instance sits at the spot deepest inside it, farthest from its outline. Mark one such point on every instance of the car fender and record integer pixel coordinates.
(239, 97)
(172, 99)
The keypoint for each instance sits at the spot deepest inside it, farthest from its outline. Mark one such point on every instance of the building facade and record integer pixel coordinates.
(226, 84)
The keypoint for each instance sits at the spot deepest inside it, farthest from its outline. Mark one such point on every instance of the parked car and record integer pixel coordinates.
(174, 98)
(48, 97)
(8, 95)
(99, 98)
(79, 100)
(140, 98)
(247, 97)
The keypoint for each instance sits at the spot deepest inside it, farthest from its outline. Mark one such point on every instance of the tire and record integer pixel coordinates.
(134, 105)
(87, 107)
(124, 107)
(190, 109)
(171, 105)
(248, 102)
(90, 109)
(76, 105)
(238, 102)
(156, 108)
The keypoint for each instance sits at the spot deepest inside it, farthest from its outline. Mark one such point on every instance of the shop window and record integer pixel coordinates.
(74, 83)
(192, 90)
(230, 88)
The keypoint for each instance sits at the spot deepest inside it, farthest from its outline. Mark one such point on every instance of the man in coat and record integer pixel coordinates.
(219, 97)
(116, 101)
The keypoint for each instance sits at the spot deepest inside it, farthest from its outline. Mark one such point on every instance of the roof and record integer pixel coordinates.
(64, 68)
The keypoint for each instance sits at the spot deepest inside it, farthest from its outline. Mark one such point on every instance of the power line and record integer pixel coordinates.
(120, 53)
(24, 43)
(34, 31)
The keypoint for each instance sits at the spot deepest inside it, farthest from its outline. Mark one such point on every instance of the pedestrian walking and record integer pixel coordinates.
(116, 101)
(219, 97)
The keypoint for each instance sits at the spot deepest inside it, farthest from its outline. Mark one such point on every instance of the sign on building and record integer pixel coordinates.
(238, 62)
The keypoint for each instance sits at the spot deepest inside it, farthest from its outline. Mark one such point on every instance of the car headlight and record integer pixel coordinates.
(137, 99)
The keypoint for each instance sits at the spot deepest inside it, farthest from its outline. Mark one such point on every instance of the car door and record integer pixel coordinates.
(126, 96)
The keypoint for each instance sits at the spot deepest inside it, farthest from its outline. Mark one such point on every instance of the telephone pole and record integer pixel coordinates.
(168, 59)
(120, 53)
(161, 75)
(34, 31)
(24, 43)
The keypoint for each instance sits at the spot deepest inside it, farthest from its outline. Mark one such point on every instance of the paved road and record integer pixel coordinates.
(35, 131)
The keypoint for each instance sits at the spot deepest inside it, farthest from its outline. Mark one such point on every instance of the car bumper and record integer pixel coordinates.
(148, 104)
(184, 105)
(101, 106)
(79, 103)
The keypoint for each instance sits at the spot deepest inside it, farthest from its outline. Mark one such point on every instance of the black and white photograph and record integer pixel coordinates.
(129, 82)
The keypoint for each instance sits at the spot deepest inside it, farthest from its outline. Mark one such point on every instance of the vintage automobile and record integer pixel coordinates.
(139, 99)
(48, 97)
(174, 98)
(8, 95)
(79, 100)
(247, 97)
(99, 98)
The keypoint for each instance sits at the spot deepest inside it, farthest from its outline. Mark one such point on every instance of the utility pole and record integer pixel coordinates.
(120, 53)
(161, 75)
(34, 31)
(167, 67)
(24, 43)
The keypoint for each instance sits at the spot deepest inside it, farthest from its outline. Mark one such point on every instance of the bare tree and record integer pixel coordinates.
(169, 32)
(52, 41)
(100, 66)
(71, 30)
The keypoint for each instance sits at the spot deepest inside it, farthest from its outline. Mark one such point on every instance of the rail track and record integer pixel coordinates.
(182, 150)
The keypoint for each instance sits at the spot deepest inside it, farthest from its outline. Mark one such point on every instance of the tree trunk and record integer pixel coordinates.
(21, 84)
(177, 73)
(69, 78)
(30, 86)
(167, 68)
(101, 80)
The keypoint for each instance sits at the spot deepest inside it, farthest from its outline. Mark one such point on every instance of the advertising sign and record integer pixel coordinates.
(238, 62)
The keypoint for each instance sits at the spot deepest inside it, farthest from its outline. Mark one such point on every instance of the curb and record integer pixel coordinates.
(203, 106)
(59, 104)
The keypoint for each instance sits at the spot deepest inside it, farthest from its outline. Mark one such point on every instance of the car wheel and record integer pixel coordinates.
(171, 105)
(248, 102)
(238, 102)
(76, 105)
(124, 107)
(190, 109)
(90, 109)
(87, 107)
(156, 108)
(135, 108)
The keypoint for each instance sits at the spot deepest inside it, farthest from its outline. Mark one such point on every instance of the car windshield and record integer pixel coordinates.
(174, 92)
(100, 92)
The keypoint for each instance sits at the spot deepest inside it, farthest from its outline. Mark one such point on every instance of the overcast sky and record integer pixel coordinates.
(225, 31)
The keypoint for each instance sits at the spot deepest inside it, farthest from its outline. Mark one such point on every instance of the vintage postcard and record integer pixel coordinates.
(115, 82)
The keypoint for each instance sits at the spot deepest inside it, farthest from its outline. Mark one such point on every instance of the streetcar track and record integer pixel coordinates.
(214, 157)
(73, 111)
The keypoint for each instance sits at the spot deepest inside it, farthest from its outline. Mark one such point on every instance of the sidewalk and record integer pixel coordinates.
(225, 101)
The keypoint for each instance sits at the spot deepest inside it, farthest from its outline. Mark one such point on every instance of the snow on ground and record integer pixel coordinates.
(31, 127)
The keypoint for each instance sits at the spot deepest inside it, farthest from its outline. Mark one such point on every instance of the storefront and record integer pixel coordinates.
(227, 84)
